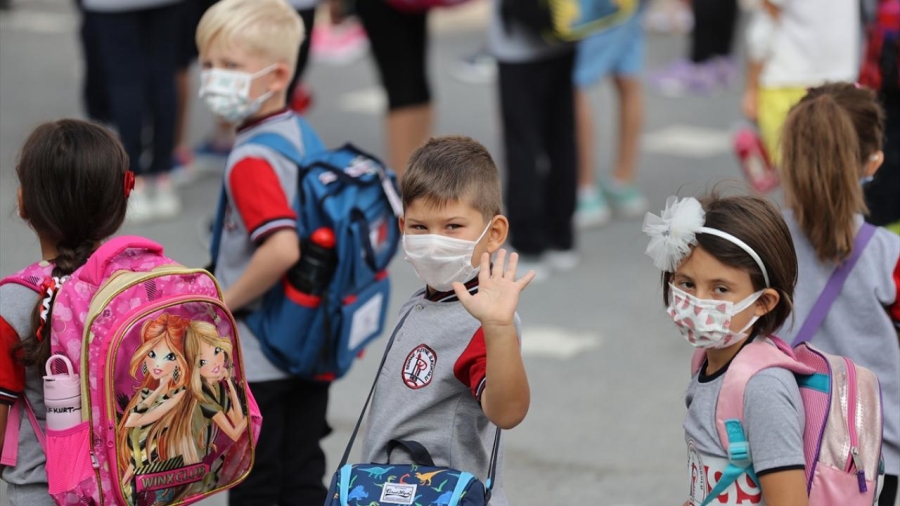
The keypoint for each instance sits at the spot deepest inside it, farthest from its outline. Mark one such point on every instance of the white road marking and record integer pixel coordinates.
(688, 141)
(371, 101)
(557, 342)
(39, 21)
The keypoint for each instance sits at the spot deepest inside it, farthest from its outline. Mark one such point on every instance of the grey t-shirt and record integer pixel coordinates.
(429, 391)
(773, 422)
(858, 325)
(28, 479)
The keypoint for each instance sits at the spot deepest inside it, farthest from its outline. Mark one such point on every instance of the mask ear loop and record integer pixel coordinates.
(741, 244)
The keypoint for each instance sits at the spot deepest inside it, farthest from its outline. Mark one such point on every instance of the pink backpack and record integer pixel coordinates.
(167, 417)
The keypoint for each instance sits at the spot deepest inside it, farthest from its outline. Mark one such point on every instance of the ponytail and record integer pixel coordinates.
(35, 352)
(821, 168)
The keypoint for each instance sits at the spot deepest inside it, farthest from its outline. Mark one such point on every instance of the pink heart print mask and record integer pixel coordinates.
(706, 323)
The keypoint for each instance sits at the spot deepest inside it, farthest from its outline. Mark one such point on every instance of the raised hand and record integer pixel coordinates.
(498, 290)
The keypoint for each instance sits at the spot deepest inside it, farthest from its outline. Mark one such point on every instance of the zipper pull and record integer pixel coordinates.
(94, 462)
(860, 473)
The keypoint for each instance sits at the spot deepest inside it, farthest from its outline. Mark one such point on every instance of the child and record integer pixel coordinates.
(455, 369)
(831, 142)
(731, 264)
(70, 225)
(618, 51)
(248, 50)
(538, 113)
(793, 45)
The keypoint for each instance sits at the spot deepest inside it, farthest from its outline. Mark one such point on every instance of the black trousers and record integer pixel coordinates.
(138, 59)
(290, 462)
(537, 108)
(309, 17)
(714, 24)
(883, 193)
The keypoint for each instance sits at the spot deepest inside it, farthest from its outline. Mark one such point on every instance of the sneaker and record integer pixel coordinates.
(166, 203)
(140, 208)
(592, 210)
(562, 260)
(301, 99)
(478, 68)
(626, 199)
(340, 44)
(533, 263)
(684, 77)
(725, 69)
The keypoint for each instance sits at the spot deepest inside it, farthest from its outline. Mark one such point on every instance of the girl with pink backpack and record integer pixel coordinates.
(832, 146)
(766, 424)
(74, 185)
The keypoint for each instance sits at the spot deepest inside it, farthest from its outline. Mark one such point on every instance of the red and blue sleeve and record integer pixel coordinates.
(259, 199)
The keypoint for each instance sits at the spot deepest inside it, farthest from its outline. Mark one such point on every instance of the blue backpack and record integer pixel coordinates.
(316, 334)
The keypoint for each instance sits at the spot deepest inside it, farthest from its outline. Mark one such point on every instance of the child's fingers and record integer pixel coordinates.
(525, 279)
(461, 293)
(484, 270)
(510, 273)
(500, 264)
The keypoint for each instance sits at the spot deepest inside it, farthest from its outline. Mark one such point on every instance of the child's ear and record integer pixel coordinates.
(20, 205)
(281, 77)
(401, 222)
(497, 233)
(767, 302)
(874, 162)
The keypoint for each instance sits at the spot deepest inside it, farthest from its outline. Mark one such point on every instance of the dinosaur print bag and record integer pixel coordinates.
(419, 484)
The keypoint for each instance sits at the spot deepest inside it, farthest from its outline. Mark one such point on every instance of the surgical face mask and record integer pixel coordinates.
(706, 323)
(440, 261)
(227, 93)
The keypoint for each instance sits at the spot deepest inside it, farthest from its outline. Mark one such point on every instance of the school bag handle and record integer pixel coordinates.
(94, 269)
(833, 287)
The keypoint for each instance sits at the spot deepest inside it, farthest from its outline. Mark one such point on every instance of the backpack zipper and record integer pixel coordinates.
(853, 460)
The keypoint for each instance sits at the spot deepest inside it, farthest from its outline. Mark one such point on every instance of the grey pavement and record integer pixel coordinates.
(607, 370)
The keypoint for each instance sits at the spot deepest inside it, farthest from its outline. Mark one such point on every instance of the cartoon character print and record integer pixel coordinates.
(155, 428)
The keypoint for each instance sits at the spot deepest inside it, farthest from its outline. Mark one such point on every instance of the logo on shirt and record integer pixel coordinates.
(705, 473)
(418, 368)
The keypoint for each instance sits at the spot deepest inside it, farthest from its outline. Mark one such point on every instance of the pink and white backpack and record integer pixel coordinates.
(167, 417)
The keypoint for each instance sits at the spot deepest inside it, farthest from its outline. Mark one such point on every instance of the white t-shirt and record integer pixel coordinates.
(813, 42)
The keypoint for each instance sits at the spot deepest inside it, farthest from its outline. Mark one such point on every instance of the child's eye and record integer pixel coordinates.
(721, 289)
(206, 65)
(685, 285)
(170, 357)
(454, 226)
(417, 227)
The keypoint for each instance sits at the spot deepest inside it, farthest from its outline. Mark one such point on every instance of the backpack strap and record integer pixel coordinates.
(10, 450)
(94, 270)
(754, 358)
(833, 288)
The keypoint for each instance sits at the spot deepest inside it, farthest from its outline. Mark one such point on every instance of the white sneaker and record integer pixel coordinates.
(166, 203)
(562, 261)
(592, 210)
(140, 208)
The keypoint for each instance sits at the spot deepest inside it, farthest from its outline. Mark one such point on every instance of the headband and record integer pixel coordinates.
(674, 232)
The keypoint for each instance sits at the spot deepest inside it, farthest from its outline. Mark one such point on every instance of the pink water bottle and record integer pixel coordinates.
(62, 396)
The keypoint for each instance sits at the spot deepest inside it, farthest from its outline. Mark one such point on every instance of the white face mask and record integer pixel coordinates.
(227, 93)
(706, 323)
(440, 261)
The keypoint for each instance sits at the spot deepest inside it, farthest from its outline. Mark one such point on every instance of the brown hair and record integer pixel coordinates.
(827, 140)
(72, 176)
(452, 168)
(757, 222)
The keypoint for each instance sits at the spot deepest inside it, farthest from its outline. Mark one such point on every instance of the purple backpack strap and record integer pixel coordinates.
(833, 287)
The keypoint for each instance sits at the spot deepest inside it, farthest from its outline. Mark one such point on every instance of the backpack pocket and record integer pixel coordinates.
(70, 472)
(362, 320)
(835, 487)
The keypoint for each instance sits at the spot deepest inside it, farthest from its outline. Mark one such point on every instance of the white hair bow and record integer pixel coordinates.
(673, 234)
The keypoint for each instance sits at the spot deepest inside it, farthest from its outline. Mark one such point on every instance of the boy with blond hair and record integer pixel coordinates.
(455, 371)
(248, 51)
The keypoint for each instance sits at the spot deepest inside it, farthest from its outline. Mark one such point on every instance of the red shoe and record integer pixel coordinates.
(754, 160)
(301, 99)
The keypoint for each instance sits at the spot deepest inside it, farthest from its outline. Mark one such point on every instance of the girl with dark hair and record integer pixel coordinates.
(832, 144)
(729, 270)
(73, 188)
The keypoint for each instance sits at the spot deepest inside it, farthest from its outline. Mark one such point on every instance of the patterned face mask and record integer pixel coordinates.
(706, 323)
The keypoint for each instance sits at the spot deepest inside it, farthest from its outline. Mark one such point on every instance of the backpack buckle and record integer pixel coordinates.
(739, 453)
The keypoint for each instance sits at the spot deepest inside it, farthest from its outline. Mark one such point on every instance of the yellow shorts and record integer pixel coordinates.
(773, 107)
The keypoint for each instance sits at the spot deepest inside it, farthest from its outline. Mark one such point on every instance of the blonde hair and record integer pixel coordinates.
(826, 142)
(171, 434)
(271, 29)
(202, 332)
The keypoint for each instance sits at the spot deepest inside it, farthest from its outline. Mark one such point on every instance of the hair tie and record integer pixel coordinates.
(674, 233)
(50, 287)
(129, 183)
